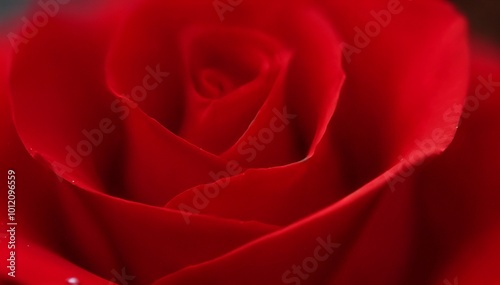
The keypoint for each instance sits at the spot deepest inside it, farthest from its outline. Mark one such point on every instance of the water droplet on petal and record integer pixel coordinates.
(73, 281)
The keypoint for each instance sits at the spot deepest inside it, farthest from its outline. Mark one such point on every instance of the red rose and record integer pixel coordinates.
(248, 142)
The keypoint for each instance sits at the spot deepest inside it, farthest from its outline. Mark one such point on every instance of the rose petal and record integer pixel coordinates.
(314, 111)
(79, 133)
(459, 191)
(49, 82)
(338, 223)
(279, 195)
(356, 135)
(99, 233)
(247, 61)
(30, 271)
(403, 92)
